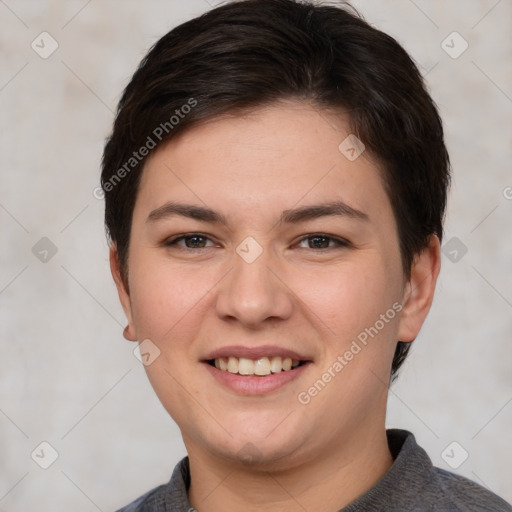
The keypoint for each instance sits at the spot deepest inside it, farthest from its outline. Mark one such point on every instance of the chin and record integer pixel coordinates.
(263, 452)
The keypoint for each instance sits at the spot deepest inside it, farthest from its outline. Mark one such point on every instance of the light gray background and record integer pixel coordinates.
(67, 375)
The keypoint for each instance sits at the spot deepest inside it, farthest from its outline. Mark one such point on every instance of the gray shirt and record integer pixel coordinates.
(412, 484)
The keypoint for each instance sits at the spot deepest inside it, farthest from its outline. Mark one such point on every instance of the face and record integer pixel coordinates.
(256, 245)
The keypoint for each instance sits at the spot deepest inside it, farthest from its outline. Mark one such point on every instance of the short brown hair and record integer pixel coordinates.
(252, 53)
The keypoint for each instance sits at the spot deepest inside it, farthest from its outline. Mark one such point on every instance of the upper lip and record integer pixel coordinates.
(255, 352)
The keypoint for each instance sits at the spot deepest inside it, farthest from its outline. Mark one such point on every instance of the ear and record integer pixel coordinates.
(419, 290)
(130, 332)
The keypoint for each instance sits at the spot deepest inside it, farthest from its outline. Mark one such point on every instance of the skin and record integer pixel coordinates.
(189, 301)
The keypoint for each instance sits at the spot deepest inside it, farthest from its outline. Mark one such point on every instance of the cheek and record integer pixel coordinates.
(348, 298)
(165, 298)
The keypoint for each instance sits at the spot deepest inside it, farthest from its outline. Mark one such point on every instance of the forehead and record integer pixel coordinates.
(265, 161)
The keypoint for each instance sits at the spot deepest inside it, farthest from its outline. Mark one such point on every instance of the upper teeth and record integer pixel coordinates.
(262, 366)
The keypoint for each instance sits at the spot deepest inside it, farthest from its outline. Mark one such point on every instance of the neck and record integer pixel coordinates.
(328, 481)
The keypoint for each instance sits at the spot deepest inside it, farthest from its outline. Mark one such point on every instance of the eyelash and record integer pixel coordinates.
(341, 243)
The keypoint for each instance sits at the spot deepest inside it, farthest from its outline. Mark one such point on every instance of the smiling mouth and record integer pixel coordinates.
(261, 367)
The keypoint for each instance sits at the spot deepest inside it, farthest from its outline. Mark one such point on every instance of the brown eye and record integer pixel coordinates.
(322, 241)
(319, 242)
(191, 241)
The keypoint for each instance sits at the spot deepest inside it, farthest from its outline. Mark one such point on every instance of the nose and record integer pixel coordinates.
(254, 293)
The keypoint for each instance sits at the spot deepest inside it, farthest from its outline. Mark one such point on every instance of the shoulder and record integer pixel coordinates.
(458, 493)
(166, 497)
(414, 484)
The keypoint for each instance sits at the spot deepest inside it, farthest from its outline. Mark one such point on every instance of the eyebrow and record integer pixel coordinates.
(293, 216)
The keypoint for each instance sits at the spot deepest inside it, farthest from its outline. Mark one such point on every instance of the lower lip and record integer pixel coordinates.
(255, 385)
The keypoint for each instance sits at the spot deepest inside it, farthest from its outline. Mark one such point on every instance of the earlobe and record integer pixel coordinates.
(129, 332)
(420, 289)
